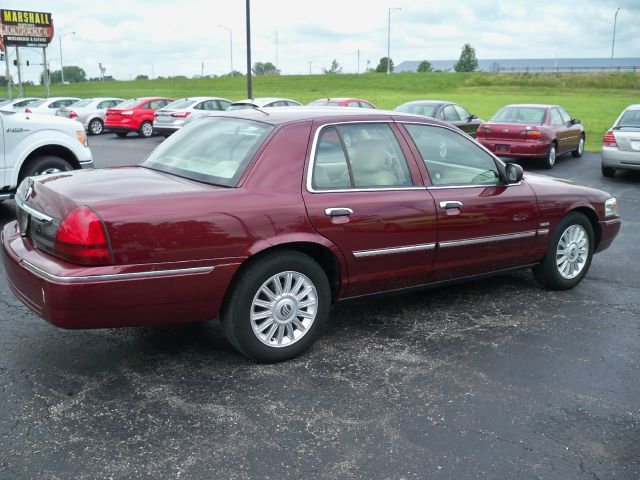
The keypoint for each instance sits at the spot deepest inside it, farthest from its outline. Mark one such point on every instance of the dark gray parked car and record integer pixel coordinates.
(442, 110)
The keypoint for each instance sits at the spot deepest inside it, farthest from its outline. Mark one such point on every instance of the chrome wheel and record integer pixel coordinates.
(95, 127)
(283, 309)
(572, 252)
(47, 171)
(581, 146)
(147, 129)
(551, 157)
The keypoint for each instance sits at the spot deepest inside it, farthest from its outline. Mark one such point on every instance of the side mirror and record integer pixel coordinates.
(472, 117)
(513, 173)
(575, 121)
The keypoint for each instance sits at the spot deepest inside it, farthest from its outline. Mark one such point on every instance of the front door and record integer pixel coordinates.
(483, 224)
(363, 195)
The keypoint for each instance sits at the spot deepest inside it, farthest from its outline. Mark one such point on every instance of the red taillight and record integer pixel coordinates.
(483, 131)
(81, 238)
(531, 134)
(73, 114)
(26, 110)
(609, 140)
(180, 114)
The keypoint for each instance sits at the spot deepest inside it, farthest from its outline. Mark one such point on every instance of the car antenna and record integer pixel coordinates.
(261, 111)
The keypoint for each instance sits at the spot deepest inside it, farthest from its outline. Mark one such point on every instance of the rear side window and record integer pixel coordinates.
(179, 104)
(223, 104)
(452, 159)
(556, 118)
(359, 156)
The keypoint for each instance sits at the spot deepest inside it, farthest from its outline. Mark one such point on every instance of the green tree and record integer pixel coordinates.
(468, 61)
(425, 66)
(334, 69)
(142, 77)
(382, 66)
(266, 68)
(72, 74)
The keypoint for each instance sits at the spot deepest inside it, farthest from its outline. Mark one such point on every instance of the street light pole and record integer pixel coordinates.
(615, 20)
(391, 10)
(61, 64)
(230, 46)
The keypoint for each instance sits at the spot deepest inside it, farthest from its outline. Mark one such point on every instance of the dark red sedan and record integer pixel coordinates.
(267, 217)
(135, 115)
(533, 131)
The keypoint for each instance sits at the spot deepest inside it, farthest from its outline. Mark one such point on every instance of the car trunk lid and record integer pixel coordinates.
(505, 131)
(627, 138)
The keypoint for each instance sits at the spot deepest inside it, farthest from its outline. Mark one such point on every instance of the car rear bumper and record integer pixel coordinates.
(515, 148)
(621, 159)
(70, 296)
(165, 129)
(608, 230)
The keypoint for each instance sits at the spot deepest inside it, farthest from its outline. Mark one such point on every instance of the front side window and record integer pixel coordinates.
(353, 104)
(428, 110)
(462, 113)
(359, 156)
(130, 104)
(325, 103)
(449, 114)
(214, 150)
(222, 104)
(452, 159)
(366, 105)
(566, 118)
(81, 103)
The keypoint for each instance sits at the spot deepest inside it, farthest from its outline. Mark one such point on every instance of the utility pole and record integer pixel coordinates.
(615, 20)
(248, 15)
(6, 62)
(391, 10)
(45, 77)
(20, 90)
(61, 64)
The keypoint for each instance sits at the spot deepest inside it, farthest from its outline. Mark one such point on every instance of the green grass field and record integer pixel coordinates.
(596, 99)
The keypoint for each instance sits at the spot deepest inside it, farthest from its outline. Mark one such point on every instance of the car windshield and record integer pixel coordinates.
(241, 106)
(182, 103)
(214, 150)
(81, 103)
(418, 109)
(129, 103)
(630, 118)
(36, 103)
(519, 115)
(325, 103)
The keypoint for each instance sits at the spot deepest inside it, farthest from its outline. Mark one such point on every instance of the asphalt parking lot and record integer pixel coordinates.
(495, 379)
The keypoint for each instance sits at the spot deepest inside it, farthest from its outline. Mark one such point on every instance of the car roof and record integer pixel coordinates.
(261, 101)
(282, 115)
(532, 105)
(635, 106)
(427, 102)
(342, 99)
(195, 99)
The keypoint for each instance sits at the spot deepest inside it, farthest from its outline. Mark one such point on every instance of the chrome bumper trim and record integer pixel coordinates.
(543, 231)
(114, 276)
(493, 238)
(31, 211)
(613, 221)
(392, 250)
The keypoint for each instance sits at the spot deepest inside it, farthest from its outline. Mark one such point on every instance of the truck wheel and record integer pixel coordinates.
(44, 165)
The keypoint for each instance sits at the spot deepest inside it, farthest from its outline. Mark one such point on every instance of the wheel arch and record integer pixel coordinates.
(592, 216)
(53, 150)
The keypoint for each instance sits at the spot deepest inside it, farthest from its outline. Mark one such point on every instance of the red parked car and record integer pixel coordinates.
(533, 131)
(342, 102)
(134, 115)
(267, 217)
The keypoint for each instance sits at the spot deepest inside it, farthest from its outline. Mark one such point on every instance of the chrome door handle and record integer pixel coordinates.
(337, 211)
(450, 204)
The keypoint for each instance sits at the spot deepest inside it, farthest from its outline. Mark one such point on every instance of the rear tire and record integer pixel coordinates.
(95, 127)
(569, 254)
(577, 153)
(44, 165)
(276, 308)
(550, 159)
(122, 134)
(608, 171)
(146, 129)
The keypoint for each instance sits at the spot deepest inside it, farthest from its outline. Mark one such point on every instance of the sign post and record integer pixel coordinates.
(6, 63)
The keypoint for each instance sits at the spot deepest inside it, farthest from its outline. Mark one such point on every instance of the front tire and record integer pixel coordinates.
(276, 308)
(122, 134)
(569, 255)
(146, 129)
(44, 165)
(608, 171)
(95, 127)
(577, 153)
(550, 159)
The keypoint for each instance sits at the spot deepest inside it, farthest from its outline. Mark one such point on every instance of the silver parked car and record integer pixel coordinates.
(90, 112)
(264, 102)
(621, 144)
(47, 106)
(13, 105)
(177, 114)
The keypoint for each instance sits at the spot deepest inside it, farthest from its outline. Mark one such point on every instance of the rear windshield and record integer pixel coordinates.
(241, 106)
(417, 109)
(182, 103)
(129, 103)
(519, 115)
(81, 103)
(325, 103)
(36, 103)
(214, 150)
(630, 118)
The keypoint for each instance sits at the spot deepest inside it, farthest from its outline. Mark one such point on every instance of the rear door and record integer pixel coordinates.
(364, 195)
(564, 135)
(467, 125)
(483, 225)
(574, 131)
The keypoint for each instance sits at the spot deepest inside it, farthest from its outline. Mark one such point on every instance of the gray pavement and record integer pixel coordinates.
(495, 379)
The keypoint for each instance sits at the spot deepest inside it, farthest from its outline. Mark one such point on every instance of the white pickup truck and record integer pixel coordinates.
(32, 144)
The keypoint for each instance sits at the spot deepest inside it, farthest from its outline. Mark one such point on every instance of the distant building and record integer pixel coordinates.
(534, 65)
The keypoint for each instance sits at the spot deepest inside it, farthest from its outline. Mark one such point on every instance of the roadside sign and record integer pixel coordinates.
(25, 29)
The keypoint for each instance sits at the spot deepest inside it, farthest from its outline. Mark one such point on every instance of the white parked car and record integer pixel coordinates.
(177, 114)
(621, 143)
(48, 106)
(16, 103)
(90, 112)
(263, 102)
(32, 145)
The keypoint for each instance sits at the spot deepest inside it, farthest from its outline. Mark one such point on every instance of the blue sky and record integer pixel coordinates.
(177, 37)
